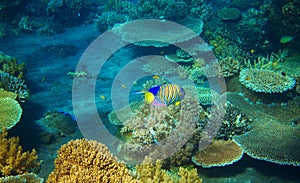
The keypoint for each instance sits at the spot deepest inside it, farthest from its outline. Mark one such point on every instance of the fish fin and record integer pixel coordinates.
(177, 103)
(138, 92)
(154, 90)
(157, 103)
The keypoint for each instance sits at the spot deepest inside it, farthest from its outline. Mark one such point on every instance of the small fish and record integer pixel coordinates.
(162, 52)
(163, 95)
(123, 86)
(286, 39)
(252, 51)
(155, 77)
(102, 97)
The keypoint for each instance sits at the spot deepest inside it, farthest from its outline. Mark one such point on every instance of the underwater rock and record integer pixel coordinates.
(56, 121)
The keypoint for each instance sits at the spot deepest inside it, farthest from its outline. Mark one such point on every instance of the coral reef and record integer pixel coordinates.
(271, 141)
(23, 178)
(13, 84)
(229, 14)
(10, 110)
(151, 172)
(170, 32)
(85, 160)
(159, 66)
(275, 131)
(267, 81)
(10, 65)
(13, 160)
(218, 153)
(229, 66)
(235, 122)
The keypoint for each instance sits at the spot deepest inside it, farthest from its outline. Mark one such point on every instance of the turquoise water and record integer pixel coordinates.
(57, 40)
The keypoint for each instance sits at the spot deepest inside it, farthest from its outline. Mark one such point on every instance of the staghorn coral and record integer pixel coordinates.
(218, 153)
(88, 161)
(27, 177)
(267, 81)
(10, 65)
(150, 172)
(10, 113)
(13, 84)
(229, 66)
(13, 160)
(235, 122)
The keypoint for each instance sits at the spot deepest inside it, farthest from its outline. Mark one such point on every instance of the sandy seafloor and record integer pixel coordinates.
(51, 89)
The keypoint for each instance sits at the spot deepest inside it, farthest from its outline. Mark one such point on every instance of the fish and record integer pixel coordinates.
(155, 77)
(67, 114)
(286, 39)
(164, 95)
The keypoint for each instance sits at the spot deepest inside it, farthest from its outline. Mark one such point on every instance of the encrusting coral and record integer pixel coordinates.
(13, 160)
(88, 161)
(218, 153)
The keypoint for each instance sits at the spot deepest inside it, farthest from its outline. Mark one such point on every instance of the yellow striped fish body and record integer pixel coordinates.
(164, 94)
(170, 93)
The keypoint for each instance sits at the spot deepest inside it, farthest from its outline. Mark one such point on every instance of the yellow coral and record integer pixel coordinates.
(88, 161)
(7, 94)
(13, 160)
(150, 172)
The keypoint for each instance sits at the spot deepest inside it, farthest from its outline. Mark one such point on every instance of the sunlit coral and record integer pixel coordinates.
(85, 160)
(13, 160)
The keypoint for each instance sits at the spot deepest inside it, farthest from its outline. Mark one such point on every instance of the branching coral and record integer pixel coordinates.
(152, 173)
(229, 66)
(266, 81)
(27, 177)
(13, 160)
(85, 160)
(234, 123)
(10, 65)
(13, 84)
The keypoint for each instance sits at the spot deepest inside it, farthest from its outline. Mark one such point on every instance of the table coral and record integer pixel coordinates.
(10, 113)
(218, 153)
(267, 81)
(88, 161)
(13, 160)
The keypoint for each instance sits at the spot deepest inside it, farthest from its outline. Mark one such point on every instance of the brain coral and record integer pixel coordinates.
(267, 81)
(85, 160)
